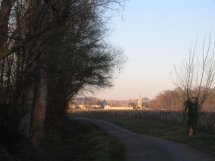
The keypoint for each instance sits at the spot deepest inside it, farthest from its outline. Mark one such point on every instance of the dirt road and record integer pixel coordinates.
(148, 148)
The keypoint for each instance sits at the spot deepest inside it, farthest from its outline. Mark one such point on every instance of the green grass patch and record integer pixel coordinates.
(203, 141)
(85, 141)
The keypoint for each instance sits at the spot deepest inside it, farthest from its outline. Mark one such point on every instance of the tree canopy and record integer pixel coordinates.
(49, 52)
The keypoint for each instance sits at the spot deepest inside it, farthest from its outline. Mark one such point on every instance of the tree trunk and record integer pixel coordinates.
(192, 124)
(2, 82)
(5, 10)
(55, 120)
(37, 129)
(24, 127)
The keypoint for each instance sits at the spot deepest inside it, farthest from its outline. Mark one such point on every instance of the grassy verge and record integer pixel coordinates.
(85, 141)
(203, 141)
(82, 141)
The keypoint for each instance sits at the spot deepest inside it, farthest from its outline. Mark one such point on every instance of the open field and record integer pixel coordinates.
(156, 124)
(206, 119)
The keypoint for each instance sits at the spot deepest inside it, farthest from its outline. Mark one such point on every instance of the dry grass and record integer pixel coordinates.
(85, 141)
(204, 140)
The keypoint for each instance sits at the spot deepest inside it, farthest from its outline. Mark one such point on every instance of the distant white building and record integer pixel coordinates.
(82, 106)
(107, 107)
(140, 102)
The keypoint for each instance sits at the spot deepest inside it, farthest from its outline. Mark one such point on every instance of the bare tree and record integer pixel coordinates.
(5, 10)
(81, 60)
(50, 51)
(195, 78)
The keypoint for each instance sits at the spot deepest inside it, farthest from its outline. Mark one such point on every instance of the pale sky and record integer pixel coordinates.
(154, 35)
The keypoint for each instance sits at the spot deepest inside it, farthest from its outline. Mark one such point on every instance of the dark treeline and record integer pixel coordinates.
(50, 50)
(174, 99)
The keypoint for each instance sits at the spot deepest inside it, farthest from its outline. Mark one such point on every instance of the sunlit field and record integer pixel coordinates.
(206, 120)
